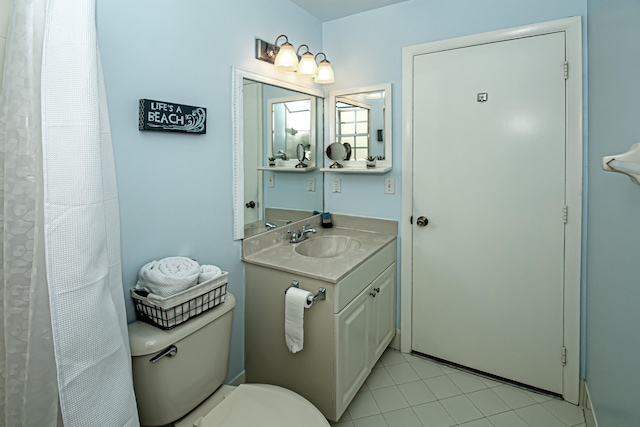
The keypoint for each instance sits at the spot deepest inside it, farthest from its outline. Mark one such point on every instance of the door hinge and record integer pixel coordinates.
(565, 213)
(564, 356)
(566, 70)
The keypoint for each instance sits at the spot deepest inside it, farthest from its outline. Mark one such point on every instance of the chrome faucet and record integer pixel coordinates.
(301, 235)
(270, 225)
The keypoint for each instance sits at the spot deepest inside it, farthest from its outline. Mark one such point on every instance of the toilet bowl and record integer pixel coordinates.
(178, 374)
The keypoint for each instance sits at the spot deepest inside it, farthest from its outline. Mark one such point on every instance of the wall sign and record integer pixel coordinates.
(167, 116)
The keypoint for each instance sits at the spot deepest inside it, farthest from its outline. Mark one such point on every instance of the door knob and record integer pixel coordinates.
(251, 204)
(422, 221)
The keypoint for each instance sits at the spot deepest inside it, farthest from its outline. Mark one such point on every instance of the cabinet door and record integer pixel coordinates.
(383, 312)
(352, 344)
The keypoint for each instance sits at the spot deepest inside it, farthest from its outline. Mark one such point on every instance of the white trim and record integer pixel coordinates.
(353, 102)
(589, 413)
(238, 156)
(572, 27)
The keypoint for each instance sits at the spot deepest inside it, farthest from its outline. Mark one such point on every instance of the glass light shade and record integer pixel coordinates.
(325, 73)
(286, 60)
(307, 66)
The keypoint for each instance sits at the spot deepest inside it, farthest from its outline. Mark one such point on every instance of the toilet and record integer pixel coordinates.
(178, 374)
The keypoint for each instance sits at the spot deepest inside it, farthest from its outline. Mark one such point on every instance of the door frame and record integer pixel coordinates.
(572, 27)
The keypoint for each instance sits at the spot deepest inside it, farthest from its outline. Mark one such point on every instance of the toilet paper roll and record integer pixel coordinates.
(296, 300)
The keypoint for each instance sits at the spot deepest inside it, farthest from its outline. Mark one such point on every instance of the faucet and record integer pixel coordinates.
(270, 225)
(301, 235)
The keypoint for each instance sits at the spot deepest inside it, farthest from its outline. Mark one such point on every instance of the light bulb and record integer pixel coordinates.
(307, 66)
(286, 60)
(325, 73)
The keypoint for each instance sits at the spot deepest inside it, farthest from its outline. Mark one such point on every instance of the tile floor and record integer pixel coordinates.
(404, 390)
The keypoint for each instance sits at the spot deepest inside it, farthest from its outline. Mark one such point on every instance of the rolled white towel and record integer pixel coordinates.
(168, 276)
(208, 272)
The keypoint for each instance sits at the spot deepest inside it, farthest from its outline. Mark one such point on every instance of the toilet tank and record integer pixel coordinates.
(169, 388)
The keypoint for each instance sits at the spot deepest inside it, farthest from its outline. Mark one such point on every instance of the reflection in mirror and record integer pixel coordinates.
(360, 119)
(338, 153)
(275, 119)
(302, 153)
(292, 123)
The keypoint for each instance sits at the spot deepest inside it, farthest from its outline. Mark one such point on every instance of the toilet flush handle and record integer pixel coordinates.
(170, 351)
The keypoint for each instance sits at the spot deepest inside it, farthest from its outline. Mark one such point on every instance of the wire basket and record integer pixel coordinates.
(167, 313)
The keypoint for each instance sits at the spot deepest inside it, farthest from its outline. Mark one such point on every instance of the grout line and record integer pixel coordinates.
(474, 374)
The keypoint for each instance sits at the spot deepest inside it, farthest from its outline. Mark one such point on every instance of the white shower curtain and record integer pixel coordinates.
(64, 350)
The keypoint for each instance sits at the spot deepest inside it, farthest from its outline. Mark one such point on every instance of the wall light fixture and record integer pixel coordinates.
(285, 58)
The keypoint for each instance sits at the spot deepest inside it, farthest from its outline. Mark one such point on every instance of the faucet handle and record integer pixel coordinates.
(294, 236)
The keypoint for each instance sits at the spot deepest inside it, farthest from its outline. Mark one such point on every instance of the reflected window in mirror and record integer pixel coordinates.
(353, 128)
(291, 124)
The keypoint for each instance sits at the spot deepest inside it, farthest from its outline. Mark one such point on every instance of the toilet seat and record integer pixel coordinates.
(263, 405)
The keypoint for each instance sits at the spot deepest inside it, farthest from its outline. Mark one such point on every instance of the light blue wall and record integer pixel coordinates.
(613, 270)
(176, 190)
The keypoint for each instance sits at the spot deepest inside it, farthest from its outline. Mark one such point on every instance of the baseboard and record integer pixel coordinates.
(395, 342)
(239, 379)
(585, 401)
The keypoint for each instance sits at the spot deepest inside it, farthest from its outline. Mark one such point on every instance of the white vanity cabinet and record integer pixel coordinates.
(344, 335)
(363, 330)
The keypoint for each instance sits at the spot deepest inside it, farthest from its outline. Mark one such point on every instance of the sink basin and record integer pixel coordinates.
(327, 246)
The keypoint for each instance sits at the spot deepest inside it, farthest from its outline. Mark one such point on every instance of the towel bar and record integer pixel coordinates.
(321, 295)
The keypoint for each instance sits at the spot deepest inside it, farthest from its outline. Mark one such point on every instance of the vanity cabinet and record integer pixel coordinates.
(344, 335)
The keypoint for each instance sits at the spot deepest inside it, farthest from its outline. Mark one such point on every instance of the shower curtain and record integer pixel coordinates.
(64, 356)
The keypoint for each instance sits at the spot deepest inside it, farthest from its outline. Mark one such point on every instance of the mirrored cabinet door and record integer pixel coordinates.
(360, 122)
(278, 139)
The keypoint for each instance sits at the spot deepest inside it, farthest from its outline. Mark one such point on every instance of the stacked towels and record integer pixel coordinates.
(208, 272)
(172, 275)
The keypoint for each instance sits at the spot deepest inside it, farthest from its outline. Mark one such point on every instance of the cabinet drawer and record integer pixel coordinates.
(355, 282)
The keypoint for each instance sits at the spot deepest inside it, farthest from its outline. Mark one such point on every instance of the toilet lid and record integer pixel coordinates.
(265, 406)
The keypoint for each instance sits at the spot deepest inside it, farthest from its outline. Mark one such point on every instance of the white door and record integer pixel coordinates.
(252, 131)
(489, 175)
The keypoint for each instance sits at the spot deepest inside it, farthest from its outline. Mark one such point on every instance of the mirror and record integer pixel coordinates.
(338, 153)
(275, 133)
(360, 120)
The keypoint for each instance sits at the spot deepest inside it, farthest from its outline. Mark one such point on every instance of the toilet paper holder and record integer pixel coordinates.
(321, 295)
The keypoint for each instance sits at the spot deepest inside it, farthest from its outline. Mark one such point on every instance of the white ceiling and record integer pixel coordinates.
(328, 10)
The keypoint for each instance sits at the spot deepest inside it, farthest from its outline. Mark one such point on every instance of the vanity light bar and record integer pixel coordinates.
(321, 73)
(266, 51)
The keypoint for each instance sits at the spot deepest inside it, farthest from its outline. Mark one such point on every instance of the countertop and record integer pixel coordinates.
(273, 250)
